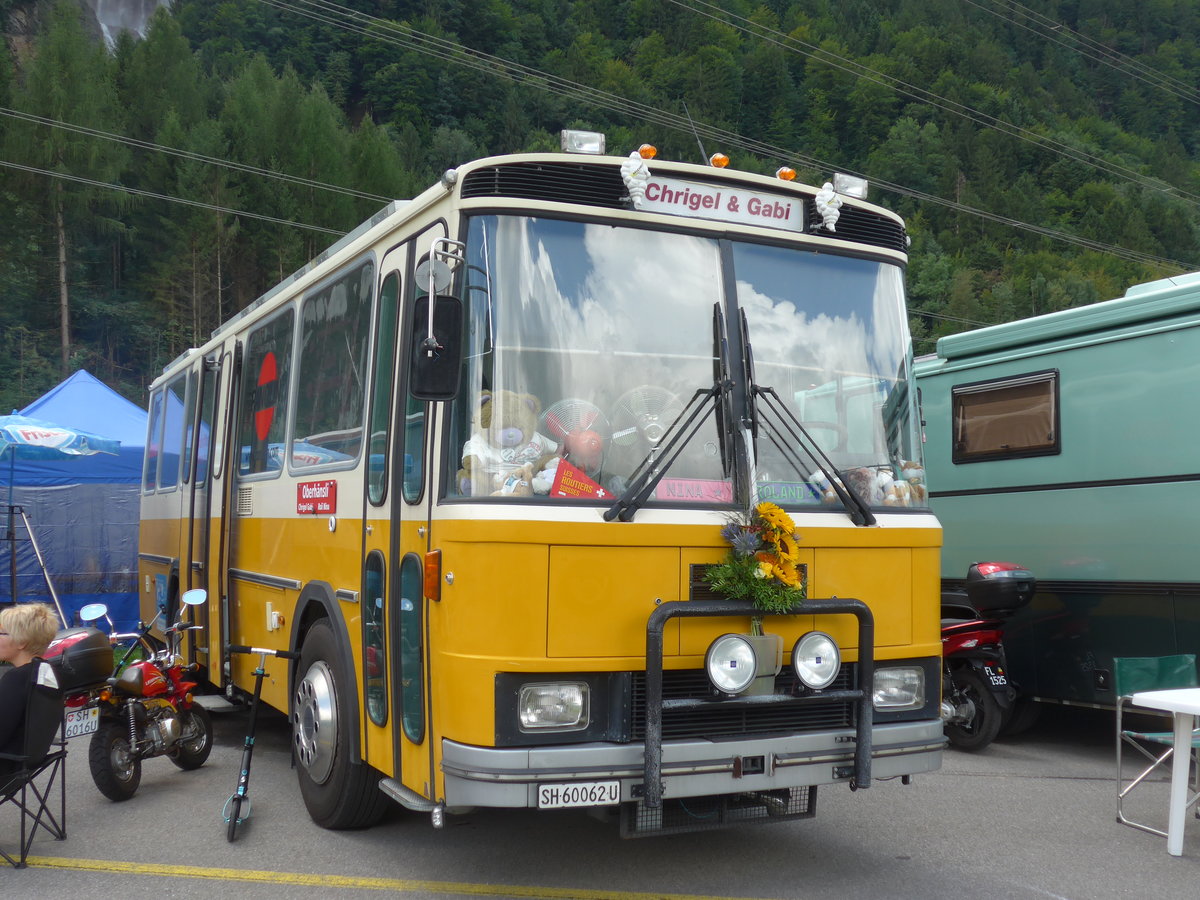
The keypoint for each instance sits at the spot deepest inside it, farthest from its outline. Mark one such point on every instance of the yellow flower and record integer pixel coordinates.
(775, 517)
(786, 572)
(787, 546)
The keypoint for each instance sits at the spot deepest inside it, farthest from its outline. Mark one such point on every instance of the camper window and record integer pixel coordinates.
(1006, 418)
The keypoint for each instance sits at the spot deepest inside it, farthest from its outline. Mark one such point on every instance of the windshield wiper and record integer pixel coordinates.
(653, 467)
(774, 413)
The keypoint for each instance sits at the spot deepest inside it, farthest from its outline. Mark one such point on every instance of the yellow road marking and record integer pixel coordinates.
(350, 881)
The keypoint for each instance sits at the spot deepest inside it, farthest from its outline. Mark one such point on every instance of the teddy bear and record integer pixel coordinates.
(504, 440)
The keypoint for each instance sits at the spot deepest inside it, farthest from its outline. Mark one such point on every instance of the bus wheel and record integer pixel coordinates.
(338, 791)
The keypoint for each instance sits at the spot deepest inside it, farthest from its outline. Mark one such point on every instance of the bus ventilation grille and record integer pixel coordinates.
(719, 719)
(863, 226)
(245, 502)
(711, 813)
(553, 182)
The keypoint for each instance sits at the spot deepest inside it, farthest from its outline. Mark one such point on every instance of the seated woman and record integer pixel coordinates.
(26, 629)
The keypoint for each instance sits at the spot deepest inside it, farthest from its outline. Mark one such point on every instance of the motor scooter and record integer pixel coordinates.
(977, 692)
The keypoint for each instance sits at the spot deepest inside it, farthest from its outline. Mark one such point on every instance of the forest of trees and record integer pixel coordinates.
(1044, 154)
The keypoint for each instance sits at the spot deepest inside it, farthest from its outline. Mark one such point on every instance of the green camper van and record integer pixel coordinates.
(1070, 443)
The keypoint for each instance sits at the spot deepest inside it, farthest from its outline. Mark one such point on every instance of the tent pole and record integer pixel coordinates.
(42, 563)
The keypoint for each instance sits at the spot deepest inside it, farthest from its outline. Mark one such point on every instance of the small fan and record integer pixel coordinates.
(644, 414)
(581, 428)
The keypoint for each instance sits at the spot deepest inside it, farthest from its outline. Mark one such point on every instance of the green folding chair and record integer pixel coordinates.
(1132, 674)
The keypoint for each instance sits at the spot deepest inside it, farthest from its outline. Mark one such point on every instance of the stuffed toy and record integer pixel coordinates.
(504, 439)
(914, 474)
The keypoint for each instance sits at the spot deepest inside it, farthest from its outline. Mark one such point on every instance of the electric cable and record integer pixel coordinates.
(186, 154)
(154, 196)
(450, 51)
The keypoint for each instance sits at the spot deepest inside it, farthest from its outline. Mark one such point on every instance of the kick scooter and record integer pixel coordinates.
(233, 811)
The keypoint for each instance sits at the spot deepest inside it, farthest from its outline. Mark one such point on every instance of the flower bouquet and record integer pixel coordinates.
(761, 565)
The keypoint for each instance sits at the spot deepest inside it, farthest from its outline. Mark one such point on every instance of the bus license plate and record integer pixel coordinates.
(579, 793)
(82, 721)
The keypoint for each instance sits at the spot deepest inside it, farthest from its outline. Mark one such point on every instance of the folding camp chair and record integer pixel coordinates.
(1150, 673)
(45, 754)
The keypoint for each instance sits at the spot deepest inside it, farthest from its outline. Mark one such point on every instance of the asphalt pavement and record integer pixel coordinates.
(1030, 817)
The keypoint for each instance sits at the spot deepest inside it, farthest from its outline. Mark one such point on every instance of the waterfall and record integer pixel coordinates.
(114, 16)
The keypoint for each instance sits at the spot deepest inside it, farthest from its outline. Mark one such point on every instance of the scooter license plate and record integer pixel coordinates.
(996, 678)
(81, 721)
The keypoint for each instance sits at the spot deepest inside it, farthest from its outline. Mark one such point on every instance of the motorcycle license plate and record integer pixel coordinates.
(82, 721)
(996, 678)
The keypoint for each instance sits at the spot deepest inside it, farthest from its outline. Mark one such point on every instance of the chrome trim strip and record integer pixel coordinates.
(155, 558)
(275, 581)
(348, 596)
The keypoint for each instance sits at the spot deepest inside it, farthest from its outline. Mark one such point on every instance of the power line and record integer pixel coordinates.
(186, 154)
(859, 70)
(403, 35)
(1060, 34)
(140, 193)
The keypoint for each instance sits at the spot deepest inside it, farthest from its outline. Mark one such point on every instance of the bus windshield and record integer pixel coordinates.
(586, 342)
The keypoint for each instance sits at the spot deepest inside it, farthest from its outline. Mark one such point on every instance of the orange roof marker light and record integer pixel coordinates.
(785, 173)
(647, 151)
(718, 160)
(582, 141)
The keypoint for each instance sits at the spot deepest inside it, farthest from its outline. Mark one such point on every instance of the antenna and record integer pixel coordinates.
(703, 153)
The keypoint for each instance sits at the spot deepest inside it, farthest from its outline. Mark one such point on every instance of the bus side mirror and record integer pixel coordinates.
(435, 371)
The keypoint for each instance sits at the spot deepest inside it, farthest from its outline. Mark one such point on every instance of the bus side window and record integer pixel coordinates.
(412, 686)
(175, 414)
(263, 410)
(381, 391)
(374, 647)
(334, 335)
(153, 444)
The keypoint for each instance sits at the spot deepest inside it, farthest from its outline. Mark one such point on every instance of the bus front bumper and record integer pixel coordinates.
(490, 777)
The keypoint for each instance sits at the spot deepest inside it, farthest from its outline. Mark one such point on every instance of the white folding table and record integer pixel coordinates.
(1184, 705)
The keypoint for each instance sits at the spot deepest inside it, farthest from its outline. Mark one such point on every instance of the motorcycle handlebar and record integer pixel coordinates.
(282, 654)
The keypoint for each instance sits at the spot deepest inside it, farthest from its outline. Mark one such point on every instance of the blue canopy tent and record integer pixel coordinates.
(84, 510)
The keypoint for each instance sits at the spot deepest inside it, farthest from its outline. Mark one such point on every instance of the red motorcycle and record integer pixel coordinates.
(143, 709)
(977, 694)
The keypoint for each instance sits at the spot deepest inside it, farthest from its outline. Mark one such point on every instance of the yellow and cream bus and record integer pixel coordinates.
(485, 521)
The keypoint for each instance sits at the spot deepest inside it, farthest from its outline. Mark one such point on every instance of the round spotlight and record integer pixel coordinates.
(816, 660)
(730, 663)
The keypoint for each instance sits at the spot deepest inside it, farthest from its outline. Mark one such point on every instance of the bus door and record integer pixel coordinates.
(199, 471)
(378, 575)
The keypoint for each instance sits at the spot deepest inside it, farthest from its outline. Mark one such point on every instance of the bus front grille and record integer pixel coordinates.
(553, 182)
(718, 719)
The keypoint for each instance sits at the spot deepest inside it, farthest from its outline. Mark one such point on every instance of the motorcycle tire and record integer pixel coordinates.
(338, 791)
(116, 772)
(984, 725)
(191, 753)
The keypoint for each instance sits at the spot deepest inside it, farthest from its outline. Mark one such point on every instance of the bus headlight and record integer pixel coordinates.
(816, 660)
(554, 706)
(902, 687)
(730, 663)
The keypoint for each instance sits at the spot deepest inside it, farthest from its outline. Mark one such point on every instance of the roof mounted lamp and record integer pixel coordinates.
(591, 142)
(850, 185)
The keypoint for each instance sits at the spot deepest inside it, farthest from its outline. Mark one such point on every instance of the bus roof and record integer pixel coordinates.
(1141, 303)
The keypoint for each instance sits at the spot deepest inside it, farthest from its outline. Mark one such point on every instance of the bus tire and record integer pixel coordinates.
(338, 792)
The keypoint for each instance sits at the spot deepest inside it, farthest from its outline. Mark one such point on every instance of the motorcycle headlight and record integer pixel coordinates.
(902, 687)
(816, 660)
(730, 663)
(553, 706)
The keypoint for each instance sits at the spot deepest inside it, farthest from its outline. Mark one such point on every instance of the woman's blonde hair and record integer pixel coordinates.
(31, 625)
